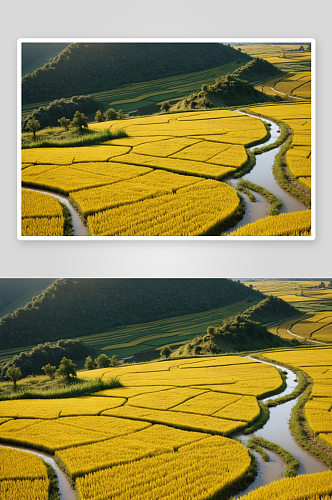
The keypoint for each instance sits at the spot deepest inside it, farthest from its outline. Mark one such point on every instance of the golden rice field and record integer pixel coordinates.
(292, 224)
(163, 179)
(317, 363)
(294, 291)
(22, 475)
(291, 84)
(283, 55)
(305, 487)
(151, 438)
(298, 117)
(41, 215)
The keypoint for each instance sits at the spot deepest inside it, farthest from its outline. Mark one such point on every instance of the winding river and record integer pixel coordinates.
(262, 174)
(65, 490)
(276, 430)
(79, 228)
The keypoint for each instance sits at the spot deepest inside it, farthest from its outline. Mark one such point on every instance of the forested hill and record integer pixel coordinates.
(82, 68)
(257, 69)
(70, 308)
(16, 292)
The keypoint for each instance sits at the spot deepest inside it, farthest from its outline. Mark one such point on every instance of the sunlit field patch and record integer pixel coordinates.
(291, 224)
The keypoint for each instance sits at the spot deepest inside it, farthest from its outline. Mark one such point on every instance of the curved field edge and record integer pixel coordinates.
(282, 173)
(299, 426)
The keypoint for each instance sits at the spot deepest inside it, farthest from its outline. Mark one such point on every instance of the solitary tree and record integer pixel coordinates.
(114, 361)
(99, 116)
(80, 121)
(33, 126)
(121, 115)
(103, 361)
(111, 114)
(89, 363)
(64, 122)
(49, 370)
(204, 87)
(67, 368)
(14, 374)
(166, 351)
(165, 106)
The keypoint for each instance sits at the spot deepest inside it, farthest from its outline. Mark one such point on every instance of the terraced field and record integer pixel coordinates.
(154, 92)
(292, 84)
(42, 215)
(287, 57)
(147, 184)
(161, 433)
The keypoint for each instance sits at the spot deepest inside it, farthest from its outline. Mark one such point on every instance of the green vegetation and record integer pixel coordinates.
(41, 387)
(256, 70)
(54, 493)
(165, 351)
(15, 293)
(59, 138)
(99, 67)
(272, 199)
(32, 362)
(67, 368)
(228, 91)
(254, 446)
(14, 374)
(55, 111)
(85, 307)
(270, 310)
(33, 126)
(68, 229)
(35, 55)
(292, 463)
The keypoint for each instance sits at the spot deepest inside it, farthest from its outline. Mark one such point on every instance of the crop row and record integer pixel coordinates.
(43, 226)
(289, 224)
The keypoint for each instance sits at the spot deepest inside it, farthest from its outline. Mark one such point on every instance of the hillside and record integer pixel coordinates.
(244, 331)
(82, 68)
(15, 293)
(228, 91)
(256, 70)
(270, 310)
(35, 55)
(74, 307)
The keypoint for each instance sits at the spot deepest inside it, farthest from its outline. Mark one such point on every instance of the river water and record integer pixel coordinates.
(79, 228)
(277, 430)
(262, 174)
(66, 491)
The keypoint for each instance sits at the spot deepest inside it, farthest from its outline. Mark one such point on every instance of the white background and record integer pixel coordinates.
(177, 19)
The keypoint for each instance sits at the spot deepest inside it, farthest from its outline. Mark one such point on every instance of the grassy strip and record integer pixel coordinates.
(54, 493)
(292, 463)
(254, 446)
(261, 421)
(86, 139)
(247, 192)
(284, 176)
(275, 202)
(78, 388)
(245, 169)
(68, 226)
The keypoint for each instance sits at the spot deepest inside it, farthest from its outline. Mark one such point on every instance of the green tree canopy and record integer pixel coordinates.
(165, 106)
(33, 126)
(99, 117)
(111, 114)
(165, 351)
(49, 370)
(80, 121)
(67, 368)
(89, 363)
(14, 374)
(64, 122)
(103, 361)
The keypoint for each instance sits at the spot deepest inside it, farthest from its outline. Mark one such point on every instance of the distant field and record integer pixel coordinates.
(137, 95)
(292, 84)
(315, 303)
(286, 57)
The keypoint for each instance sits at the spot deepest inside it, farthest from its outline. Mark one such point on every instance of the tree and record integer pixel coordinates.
(80, 121)
(49, 370)
(121, 115)
(111, 114)
(99, 117)
(114, 361)
(103, 361)
(165, 106)
(64, 122)
(14, 374)
(210, 330)
(33, 126)
(204, 87)
(66, 368)
(89, 363)
(166, 351)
